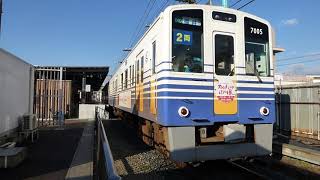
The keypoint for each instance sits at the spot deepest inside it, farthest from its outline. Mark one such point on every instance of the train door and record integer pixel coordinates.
(225, 95)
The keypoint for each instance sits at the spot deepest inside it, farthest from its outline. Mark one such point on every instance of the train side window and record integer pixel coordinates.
(154, 51)
(126, 79)
(142, 62)
(132, 74)
(224, 55)
(129, 76)
(121, 81)
(137, 72)
(116, 85)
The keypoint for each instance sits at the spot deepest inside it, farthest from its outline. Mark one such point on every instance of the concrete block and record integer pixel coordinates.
(12, 157)
(87, 111)
(234, 132)
(304, 154)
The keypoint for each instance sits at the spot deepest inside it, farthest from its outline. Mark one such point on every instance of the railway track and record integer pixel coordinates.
(249, 169)
(135, 160)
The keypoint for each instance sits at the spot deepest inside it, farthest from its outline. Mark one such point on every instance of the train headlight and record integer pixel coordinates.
(183, 111)
(264, 111)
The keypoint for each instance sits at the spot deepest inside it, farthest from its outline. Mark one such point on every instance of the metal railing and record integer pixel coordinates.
(104, 164)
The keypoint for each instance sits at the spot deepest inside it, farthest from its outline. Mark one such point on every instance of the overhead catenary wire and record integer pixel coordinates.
(235, 3)
(305, 61)
(165, 4)
(158, 11)
(135, 33)
(298, 57)
(141, 20)
(246, 4)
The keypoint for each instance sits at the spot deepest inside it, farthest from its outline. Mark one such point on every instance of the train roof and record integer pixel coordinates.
(216, 8)
(205, 7)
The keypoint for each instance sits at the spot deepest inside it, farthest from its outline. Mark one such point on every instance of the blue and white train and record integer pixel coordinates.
(201, 81)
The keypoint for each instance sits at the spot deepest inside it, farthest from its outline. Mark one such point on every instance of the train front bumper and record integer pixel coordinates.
(182, 146)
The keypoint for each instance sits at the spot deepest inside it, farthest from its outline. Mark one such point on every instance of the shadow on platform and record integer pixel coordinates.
(49, 157)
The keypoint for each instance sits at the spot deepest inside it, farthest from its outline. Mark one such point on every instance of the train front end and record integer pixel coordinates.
(216, 93)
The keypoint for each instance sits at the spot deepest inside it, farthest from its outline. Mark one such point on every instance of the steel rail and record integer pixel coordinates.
(249, 170)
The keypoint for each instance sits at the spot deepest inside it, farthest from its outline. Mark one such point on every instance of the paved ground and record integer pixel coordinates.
(50, 157)
(82, 163)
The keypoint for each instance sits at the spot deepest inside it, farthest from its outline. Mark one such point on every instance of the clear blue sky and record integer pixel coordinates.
(94, 32)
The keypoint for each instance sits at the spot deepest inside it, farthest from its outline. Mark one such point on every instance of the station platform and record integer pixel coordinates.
(297, 147)
(61, 152)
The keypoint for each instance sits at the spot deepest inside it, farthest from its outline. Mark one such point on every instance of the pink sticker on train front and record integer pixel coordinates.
(225, 92)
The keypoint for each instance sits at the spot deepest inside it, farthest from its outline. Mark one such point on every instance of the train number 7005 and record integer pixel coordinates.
(256, 31)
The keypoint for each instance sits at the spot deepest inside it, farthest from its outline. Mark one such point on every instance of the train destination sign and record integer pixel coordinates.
(188, 21)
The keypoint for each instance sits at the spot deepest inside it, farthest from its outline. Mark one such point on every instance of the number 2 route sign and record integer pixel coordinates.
(182, 37)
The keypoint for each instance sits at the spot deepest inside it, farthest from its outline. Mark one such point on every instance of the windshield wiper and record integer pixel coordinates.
(232, 71)
(256, 72)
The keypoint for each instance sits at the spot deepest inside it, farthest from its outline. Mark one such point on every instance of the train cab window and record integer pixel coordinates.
(187, 41)
(142, 62)
(257, 55)
(224, 55)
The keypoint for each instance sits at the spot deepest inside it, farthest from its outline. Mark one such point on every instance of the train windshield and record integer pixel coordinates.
(187, 41)
(256, 48)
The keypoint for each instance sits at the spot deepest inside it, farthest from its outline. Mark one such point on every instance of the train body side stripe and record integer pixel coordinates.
(256, 82)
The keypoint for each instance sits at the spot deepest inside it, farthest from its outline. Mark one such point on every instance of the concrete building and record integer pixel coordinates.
(314, 78)
(281, 79)
(16, 91)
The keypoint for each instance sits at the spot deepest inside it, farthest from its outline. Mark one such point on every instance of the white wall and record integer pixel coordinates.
(87, 111)
(15, 90)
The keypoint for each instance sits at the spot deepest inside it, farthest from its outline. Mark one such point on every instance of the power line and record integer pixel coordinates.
(142, 24)
(140, 20)
(246, 4)
(306, 61)
(164, 4)
(299, 57)
(136, 32)
(159, 9)
(235, 3)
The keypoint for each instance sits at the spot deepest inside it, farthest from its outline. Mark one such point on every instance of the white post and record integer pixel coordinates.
(60, 116)
(31, 89)
(318, 126)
